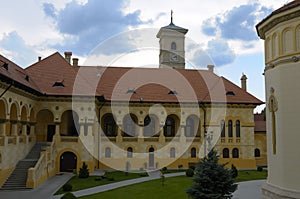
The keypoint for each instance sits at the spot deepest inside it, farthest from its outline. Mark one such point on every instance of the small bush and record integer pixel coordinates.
(189, 173)
(68, 196)
(234, 171)
(84, 171)
(259, 168)
(67, 187)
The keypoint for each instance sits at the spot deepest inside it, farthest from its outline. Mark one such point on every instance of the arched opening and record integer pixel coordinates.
(193, 152)
(23, 114)
(173, 46)
(235, 153)
(150, 128)
(171, 126)
(172, 152)
(68, 162)
(288, 41)
(238, 128)
(256, 153)
(151, 157)
(69, 123)
(130, 124)
(2, 118)
(298, 38)
(45, 128)
(129, 152)
(192, 127)
(13, 126)
(230, 133)
(225, 153)
(222, 128)
(107, 152)
(32, 116)
(109, 126)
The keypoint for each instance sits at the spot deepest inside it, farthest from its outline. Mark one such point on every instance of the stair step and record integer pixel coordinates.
(17, 179)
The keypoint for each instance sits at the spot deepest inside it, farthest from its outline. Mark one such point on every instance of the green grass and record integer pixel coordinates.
(251, 175)
(173, 187)
(93, 181)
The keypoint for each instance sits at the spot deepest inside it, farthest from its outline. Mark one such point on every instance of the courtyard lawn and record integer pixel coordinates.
(173, 187)
(93, 181)
(251, 175)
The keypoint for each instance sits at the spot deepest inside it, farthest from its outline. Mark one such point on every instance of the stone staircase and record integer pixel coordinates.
(17, 180)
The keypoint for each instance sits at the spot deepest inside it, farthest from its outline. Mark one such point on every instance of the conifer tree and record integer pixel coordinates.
(84, 171)
(212, 180)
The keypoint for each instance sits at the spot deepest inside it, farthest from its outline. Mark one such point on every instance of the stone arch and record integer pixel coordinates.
(107, 153)
(24, 113)
(225, 153)
(151, 126)
(32, 115)
(45, 128)
(287, 40)
(235, 153)
(13, 128)
(171, 125)
(268, 48)
(130, 126)
(69, 123)
(193, 152)
(109, 125)
(275, 45)
(192, 127)
(298, 37)
(3, 109)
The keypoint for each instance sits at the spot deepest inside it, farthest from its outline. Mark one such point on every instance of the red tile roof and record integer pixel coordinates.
(16, 74)
(260, 123)
(117, 83)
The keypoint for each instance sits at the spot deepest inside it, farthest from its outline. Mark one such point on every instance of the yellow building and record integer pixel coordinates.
(281, 32)
(120, 118)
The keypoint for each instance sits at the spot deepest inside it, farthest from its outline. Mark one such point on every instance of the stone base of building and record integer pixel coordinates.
(270, 191)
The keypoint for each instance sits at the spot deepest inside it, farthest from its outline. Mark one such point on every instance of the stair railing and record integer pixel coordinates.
(44, 167)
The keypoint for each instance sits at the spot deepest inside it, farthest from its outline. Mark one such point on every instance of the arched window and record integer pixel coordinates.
(256, 153)
(129, 125)
(149, 126)
(238, 128)
(173, 46)
(230, 128)
(172, 152)
(235, 153)
(169, 128)
(226, 153)
(222, 128)
(190, 127)
(129, 152)
(107, 152)
(109, 126)
(193, 152)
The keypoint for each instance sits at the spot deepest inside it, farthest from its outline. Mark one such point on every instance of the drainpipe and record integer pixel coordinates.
(12, 82)
(99, 133)
(202, 106)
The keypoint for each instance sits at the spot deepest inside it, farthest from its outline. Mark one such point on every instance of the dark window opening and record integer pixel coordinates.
(230, 93)
(58, 85)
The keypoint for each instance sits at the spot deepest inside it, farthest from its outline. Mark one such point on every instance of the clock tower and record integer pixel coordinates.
(171, 43)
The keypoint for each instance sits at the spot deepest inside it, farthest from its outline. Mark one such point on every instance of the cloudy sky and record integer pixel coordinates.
(122, 33)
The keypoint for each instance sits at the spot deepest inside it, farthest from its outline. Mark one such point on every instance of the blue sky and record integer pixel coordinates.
(225, 30)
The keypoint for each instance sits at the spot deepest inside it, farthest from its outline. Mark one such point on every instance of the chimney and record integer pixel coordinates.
(68, 56)
(75, 61)
(39, 58)
(211, 68)
(244, 82)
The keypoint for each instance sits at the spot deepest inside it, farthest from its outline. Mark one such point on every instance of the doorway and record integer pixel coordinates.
(50, 132)
(68, 162)
(151, 157)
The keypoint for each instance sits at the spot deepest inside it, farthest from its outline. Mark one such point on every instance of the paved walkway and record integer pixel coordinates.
(246, 190)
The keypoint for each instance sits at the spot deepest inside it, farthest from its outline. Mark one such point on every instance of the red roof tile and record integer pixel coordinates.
(17, 74)
(148, 84)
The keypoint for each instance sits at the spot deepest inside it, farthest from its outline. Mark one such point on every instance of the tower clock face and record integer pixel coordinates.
(173, 57)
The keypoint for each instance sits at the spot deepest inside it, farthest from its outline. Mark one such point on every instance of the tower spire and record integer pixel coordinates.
(171, 16)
